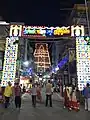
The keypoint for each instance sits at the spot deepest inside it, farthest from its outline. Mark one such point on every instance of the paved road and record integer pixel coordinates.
(41, 112)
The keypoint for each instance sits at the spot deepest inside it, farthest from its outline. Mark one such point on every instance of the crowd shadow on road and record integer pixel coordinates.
(41, 112)
(9, 114)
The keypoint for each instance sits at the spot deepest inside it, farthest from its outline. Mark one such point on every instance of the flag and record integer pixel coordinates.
(71, 55)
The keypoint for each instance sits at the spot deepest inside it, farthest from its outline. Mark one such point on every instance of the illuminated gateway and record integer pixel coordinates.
(41, 54)
(42, 58)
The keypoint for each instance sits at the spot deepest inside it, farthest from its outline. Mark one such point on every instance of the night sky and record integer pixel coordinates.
(37, 12)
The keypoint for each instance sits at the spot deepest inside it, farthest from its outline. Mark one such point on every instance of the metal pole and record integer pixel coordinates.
(86, 6)
(26, 50)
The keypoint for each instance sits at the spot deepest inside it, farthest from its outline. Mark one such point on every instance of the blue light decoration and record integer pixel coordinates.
(63, 62)
(49, 32)
(29, 71)
(53, 70)
(25, 31)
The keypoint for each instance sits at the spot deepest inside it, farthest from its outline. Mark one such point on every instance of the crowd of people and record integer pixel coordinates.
(71, 95)
(16, 93)
(71, 98)
(36, 93)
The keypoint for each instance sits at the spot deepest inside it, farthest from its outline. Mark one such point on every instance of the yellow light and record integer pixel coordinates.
(38, 31)
(62, 31)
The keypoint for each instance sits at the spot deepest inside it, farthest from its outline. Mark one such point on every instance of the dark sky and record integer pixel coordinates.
(37, 12)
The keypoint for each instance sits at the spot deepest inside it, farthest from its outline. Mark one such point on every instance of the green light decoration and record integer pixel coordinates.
(31, 31)
(87, 39)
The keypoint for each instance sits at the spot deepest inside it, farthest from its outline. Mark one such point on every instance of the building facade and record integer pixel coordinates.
(42, 58)
(4, 31)
(78, 16)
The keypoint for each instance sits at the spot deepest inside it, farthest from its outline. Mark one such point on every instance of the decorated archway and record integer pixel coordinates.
(17, 31)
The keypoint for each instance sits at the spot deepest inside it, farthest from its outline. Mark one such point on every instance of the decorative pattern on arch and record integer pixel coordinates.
(9, 68)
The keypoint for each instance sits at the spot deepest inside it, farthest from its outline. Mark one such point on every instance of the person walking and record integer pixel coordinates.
(39, 96)
(17, 93)
(87, 97)
(1, 95)
(34, 94)
(67, 98)
(24, 89)
(49, 93)
(75, 99)
(7, 94)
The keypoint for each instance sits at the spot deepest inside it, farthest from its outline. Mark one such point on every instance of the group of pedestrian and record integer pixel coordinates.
(12, 93)
(36, 93)
(72, 98)
(15, 94)
(71, 95)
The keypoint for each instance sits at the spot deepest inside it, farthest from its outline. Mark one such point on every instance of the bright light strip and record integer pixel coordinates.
(9, 69)
(26, 63)
(83, 62)
(3, 23)
(63, 62)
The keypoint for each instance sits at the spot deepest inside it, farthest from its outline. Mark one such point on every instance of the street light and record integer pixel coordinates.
(57, 68)
(26, 63)
(86, 6)
(3, 23)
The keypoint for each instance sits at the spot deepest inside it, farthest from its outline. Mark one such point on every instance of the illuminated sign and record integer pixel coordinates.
(15, 30)
(62, 31)
(9, 69)
(45, 31)
(77, 31)
(83, 61)
(30, 31)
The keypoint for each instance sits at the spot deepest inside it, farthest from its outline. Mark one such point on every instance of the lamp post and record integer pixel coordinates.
(86, 6)
(26, 50)
(26, 63)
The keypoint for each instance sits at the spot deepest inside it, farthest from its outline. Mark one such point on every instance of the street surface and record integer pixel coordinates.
(41, 112)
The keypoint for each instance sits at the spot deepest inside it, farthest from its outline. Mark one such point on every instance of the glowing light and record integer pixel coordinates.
(9, 69)
(15, 30)
(3, 23)
(63, 62)
(83, 61)
(45, 31)
(77, 31)
(57, 68)
(62, 31)
(42, 58)
(26, 63)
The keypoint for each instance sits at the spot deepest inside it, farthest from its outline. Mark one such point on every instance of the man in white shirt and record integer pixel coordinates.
(49, 93)
(34, 94)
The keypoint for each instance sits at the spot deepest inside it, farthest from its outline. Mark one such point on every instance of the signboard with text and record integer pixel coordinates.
(30, 31)
(46, 32)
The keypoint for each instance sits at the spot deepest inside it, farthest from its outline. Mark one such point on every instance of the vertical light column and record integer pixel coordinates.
(83, 61)
(9, 69)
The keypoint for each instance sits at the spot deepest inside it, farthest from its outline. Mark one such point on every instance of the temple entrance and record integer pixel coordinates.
(48, 45)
